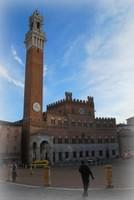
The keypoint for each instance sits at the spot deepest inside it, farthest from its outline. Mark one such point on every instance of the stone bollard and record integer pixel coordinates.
(9, 171)
(31, 170)
(108, 171)
(47, 178)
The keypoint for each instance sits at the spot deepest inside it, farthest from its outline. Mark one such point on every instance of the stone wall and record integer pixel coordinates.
(10, 141)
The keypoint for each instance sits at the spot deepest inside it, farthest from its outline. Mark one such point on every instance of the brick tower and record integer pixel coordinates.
(33, 94)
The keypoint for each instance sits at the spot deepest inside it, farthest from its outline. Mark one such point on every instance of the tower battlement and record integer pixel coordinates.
(35, 37)
(68, 99)
(72, 106)
(105, 121)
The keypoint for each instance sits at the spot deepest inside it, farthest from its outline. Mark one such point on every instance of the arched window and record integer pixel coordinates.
(99, 140)
(54, 141)
(73, 123)
(53, 121)
(43, 150)
(65, 122)
(59, 122)
(59, 140)
(74, 140)
(79, 123)
(80, 140)
(66, 140)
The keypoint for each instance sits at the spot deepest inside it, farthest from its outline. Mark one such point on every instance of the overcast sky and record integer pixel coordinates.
(89, 52)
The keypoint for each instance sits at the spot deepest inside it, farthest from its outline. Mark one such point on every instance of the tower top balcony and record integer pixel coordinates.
(36, 21)
(35, 37)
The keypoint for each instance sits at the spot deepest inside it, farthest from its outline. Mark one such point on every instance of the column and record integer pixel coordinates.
(38, 152)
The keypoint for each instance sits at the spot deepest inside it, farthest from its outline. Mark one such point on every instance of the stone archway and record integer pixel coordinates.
(34, 151)
(44, 148)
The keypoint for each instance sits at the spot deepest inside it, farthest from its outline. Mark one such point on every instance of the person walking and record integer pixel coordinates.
(85, 172)
(14, 172)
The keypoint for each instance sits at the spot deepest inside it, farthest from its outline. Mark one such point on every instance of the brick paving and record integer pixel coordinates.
(123, 176)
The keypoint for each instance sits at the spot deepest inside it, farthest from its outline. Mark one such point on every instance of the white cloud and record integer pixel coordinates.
(72, 50)
(66, 80)
(76, 3)
(15, 56)
(112, 5)
(5, 74)
(109, 69)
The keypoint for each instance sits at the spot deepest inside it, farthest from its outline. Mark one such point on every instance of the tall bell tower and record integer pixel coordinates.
(33, 94)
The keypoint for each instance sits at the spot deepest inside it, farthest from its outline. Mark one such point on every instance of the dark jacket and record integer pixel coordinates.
(85, 172)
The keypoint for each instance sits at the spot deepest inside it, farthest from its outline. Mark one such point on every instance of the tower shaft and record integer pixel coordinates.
(33, 94)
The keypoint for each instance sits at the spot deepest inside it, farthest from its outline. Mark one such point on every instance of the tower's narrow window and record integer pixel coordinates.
(38, 25)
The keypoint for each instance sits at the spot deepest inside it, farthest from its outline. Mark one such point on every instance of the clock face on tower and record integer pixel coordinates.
(36, 107)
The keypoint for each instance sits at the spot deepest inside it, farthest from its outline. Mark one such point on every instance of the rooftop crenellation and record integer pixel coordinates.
(68, 99)
(104, 119)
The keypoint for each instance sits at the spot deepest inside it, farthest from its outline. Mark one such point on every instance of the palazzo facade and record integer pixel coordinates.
(72, 133)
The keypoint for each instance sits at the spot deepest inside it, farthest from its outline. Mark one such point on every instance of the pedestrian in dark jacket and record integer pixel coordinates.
(85, 175)
(14, 172)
